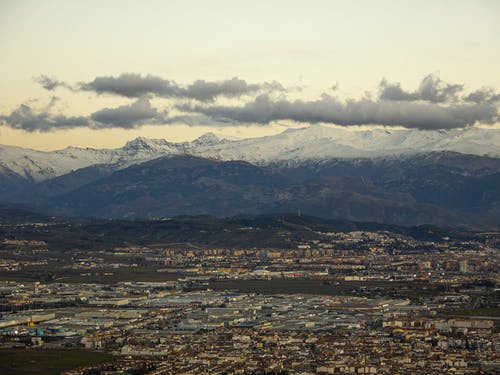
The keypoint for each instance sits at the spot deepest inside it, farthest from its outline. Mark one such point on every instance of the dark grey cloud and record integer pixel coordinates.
(131, 85)
(328, 109)
(26, 118)
(134, 85)
(485, 95)
(51, 83)
(431, 89)
(435, 104)
(207, 91)
(127, 116)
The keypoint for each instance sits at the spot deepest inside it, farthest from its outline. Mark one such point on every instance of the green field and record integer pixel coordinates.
(46, 362)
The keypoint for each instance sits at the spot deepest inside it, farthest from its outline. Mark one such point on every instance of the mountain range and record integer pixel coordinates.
(405, 177)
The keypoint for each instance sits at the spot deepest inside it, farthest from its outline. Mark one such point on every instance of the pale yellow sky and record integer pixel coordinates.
(298, 43)
(113, 138)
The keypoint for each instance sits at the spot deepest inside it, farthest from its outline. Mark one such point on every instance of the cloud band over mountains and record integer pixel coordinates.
(264, 110)
(434, 104)
(132, 85)
(25, 117)
(127, 116)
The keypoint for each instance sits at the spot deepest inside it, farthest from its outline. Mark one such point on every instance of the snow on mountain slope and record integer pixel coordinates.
(321, 142)
(314, 142)
(39, 165)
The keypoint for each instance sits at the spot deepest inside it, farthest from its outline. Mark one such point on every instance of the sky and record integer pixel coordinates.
(99, 73)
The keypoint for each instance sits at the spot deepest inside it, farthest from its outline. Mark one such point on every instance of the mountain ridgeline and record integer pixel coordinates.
(143, 181)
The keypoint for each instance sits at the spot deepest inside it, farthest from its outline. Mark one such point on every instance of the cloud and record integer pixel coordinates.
(51, 83)
(431, 89)
(134, 85)
(485, 95)
(434, 104)
(127, 116)
(27, 118)
(207, 91)
(140, 112)
(328, 109)
(131, 85)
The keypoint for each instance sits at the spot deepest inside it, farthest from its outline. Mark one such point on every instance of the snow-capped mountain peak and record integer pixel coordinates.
(142, 143)
(206, 139)
(316, 142)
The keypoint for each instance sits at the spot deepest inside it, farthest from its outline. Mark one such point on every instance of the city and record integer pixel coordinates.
(249, 187)
(412, 305)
